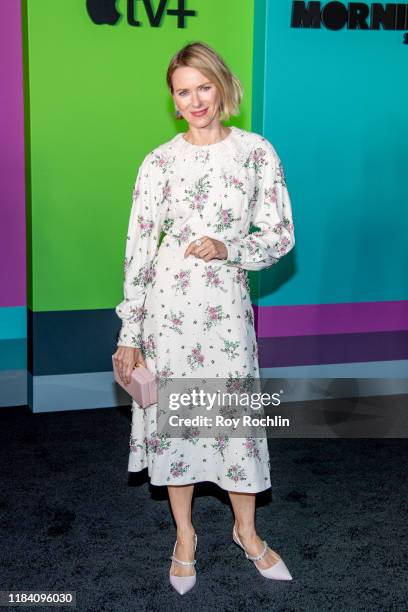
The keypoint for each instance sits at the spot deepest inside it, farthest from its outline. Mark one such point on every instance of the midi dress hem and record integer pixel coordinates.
(209, 478)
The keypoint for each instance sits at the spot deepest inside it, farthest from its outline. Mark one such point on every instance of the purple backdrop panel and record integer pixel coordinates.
(12, 177)
(341, 348)
(321, 319)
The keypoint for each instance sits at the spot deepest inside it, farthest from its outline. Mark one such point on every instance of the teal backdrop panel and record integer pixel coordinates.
(336, 110)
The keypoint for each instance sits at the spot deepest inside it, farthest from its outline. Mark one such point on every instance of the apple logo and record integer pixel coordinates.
(103, 11)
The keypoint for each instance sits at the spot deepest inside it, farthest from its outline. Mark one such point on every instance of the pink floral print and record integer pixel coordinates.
(149, 346)
(157, 444)
(178, 468)
(184, 235)
(145, 275)
(162, 161)
(145, 226)
(220, 444)
(225, 219)
(196, 358)
(233, 181)
(198, 195)
(175, 321)
(251, 448)
(256, 159)
(236, 472)
(214, 315)
(212, 277)
(182, 281)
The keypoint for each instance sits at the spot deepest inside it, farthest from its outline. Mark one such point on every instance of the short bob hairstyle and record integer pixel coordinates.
(199, 55)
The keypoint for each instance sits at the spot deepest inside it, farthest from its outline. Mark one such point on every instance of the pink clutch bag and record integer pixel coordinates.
(142, 386)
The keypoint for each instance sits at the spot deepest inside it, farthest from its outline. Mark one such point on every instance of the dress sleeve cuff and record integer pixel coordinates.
(129, 336)
(234, 253)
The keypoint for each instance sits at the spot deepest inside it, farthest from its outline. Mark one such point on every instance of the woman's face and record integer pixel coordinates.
(193, 92)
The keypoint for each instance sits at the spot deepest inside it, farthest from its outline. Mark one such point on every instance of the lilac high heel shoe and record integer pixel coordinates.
(182, 584)
(278, 571)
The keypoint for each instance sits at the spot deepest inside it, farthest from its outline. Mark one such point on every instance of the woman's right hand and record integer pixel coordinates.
(126, 357)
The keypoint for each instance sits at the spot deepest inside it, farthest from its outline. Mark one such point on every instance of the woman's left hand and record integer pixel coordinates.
(207, 249)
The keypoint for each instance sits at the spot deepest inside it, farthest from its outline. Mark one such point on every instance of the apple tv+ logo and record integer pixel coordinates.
(105, 12)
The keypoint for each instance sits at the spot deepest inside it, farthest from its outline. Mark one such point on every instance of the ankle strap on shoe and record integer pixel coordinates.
(183, 562)
(258, 557)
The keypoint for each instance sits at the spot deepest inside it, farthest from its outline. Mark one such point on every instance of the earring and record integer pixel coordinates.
(178, 114)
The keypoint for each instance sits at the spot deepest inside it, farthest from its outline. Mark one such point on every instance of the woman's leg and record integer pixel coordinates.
(180, 501)
(243, 505)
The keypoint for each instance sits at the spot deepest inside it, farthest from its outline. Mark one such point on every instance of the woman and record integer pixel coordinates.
(187, 308)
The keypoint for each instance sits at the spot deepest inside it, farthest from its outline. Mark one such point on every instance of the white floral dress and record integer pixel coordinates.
(195, 319)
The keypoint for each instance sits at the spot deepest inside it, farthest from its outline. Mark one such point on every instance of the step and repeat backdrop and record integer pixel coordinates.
(84, 99)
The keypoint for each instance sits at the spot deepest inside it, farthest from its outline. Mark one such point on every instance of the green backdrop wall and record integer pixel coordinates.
(98, 104)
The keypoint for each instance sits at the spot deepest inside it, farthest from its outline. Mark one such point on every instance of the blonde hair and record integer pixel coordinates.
(201, 56)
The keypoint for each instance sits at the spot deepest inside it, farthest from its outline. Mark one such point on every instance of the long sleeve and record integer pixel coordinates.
(272, 214)
(141, 248)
